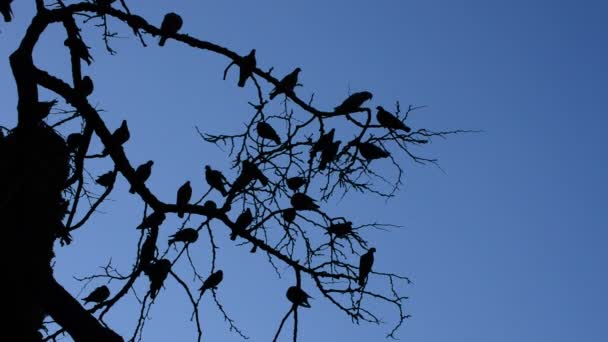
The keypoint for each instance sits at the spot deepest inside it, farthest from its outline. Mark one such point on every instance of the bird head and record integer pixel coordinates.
(150, 162)
(372, 250)
(207, 168)
(297, 70)
(379, 108)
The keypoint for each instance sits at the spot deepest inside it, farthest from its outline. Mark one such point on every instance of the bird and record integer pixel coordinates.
(142, 173)
(370, 151)
(252, 171)
(184, 193)
(98, 295)
(390, 121)
(287, 84)
(324, 141)
(153, 220)
(341, 229)
(215, 179)
(186, 235)
(210, 206)
(5, 9)
(294, 183)
(74, 141)
(148, 250)
(241, 223)
(366, 261)
(247, 64)
(300, 201)
(107, 179)
(328, 155)
(289, 215)
(266, 131)
(79, 48)
(86, 86)
(353, 103)
(171, 24)
(212, 282)
(157, 273)
(298, 297)
(120, 136)
(43, 108)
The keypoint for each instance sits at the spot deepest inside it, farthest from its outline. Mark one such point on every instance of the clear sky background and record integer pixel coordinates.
(506, 242)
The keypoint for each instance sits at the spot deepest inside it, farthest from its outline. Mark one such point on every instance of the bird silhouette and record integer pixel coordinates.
(390, 121)
(366, 261)
(107, 179)
(328, 155)
(287, 84)
(215, 179)
(147, 253)
(74, 141)
(289, 215)
(120, 136)
(247, 65)
(79, 48)
(294, 183)
(171, 24)
(6, 10)
(43, 108)
(187, 235)
(212, 282)
(153, 220)
(340, 230)
(298, 297)
(324, 141)
(86, 86)
(157, 273)
(142, 173)
(241, 223)
(210, 206)
(252, 171)
(184, 193)
(98, 295)
(300, 201)
(353, 103)
(267, 132)
(370, 151)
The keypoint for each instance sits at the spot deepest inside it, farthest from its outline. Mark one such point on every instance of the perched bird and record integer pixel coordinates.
(247, 64)
(157, 273)
(300, 201)
(210, 206)
(147, 253)
(43, 108)
(213, 281)
(184, 193)
(289, 215)
(172, 23)
(74, 141)
(186, 235)
(324, 141)
(252, 171)
(294, 183)
(353, 103)
(215, 179)
(86, 86)
(120, 136)
(267, 132)
(142, 173)
(298, 297)
(153, 220)
(79, 48)
(329, 154)
(390, 121)
(341, 229)
(98, 295)
(6, 10)
(240, 183)
(241, 223)
(287, 84)
(107, 179)
(370, 151)
(365, 265)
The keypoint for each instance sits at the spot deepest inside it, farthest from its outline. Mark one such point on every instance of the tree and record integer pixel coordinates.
(286, 167)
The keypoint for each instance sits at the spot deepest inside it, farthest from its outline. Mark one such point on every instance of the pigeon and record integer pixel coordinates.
(98, 295)
(210, 206)
(287, 84)
(370, 151)
(79, 48)
(390, 121)
(157, 272)
(212, 282)
(184, 193)
(172, 23)
(241, 223)
(153, 220)
(5, 9)
(328, 155)
(353, 103)
(365, 265)
(86, 86)
(247, 64)
(300, 201)
(142, 173)
(74, 141)
(43, 108)
(107, 179)
(324, 141)
(120, 136)
(298, 297)
(148, 250)
(267, 132)
(252, 171)
(240, 183)
(186, 235)
(340, 230)
(294, 183)
(215, 179)
(289, 215)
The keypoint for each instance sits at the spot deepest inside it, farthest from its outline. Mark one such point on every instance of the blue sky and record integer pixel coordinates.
(506, 242)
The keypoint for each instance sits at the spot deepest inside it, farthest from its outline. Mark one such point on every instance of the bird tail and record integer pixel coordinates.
(273, 94)
(180, 214)
(171, 241)
(162, 41)
(242, 81)
(224, 192)
(132, 190)
(233, 235)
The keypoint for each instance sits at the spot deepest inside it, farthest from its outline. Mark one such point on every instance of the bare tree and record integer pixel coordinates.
(285, 167)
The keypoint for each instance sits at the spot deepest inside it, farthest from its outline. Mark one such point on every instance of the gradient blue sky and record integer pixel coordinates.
(507, 242)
